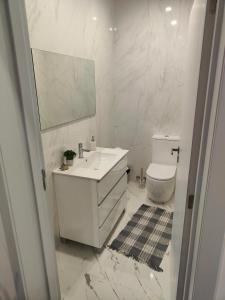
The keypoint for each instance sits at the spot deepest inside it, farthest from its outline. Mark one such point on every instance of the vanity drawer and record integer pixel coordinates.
(110, 222)
(111, 200)
(106, 184)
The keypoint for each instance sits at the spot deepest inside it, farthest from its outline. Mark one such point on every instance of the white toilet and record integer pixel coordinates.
(161, 173)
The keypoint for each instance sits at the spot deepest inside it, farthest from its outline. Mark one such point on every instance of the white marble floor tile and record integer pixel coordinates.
(86, 274)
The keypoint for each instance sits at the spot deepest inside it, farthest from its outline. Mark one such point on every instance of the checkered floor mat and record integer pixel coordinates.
(146, 236)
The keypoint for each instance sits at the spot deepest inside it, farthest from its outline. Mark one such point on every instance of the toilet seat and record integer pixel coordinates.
(161, 172)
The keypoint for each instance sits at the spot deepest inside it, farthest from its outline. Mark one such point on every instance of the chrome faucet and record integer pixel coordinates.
(81, 150)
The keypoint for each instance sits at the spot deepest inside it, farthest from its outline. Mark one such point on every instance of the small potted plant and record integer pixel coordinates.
(69, 155)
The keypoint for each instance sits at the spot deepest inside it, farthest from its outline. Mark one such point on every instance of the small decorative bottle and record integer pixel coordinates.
(92, 144)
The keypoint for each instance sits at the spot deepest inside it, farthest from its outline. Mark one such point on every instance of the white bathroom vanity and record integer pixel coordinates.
(91, 196)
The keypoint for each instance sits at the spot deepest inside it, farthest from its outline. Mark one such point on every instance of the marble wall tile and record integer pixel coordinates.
(149, 74)
(79, 28)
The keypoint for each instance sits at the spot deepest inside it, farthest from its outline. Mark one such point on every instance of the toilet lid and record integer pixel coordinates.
(161, 172)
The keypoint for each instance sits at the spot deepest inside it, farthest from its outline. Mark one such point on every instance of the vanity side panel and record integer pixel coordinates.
(77, 208)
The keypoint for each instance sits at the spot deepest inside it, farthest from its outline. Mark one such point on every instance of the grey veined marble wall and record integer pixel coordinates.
(79, 28)
(139, 54)
(149, 55)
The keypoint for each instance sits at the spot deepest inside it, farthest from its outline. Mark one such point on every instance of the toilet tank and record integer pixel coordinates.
(161, 149)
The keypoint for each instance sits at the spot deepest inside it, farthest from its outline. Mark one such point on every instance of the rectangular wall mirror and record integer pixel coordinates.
(65, 88)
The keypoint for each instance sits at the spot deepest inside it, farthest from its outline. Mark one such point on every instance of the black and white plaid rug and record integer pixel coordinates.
(146, 236)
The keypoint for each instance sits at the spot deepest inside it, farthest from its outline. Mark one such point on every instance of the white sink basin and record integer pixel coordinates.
(95, 164)
(96, 161)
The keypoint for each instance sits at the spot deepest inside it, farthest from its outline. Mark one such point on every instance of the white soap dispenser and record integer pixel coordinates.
(92, 144)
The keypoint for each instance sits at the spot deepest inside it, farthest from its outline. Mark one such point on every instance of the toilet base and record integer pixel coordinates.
(160, 203)
(160, 192)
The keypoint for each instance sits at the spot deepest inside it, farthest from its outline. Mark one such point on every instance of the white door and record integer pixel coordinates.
(7, 286)
(208, 270)
(196, 31)
(11, 280)
(18, 201)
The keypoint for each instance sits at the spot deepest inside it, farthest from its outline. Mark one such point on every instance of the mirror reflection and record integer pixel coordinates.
(65, 88)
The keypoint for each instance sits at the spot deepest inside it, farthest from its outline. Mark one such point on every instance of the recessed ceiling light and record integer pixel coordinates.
(168, 9)
(151, 275)
(173, 22)
(94, 18)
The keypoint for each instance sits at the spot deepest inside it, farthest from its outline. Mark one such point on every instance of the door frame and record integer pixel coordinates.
(25, 72)
(204, 276)
(205, 101)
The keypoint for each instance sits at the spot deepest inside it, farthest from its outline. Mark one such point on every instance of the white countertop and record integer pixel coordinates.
(95, 164)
